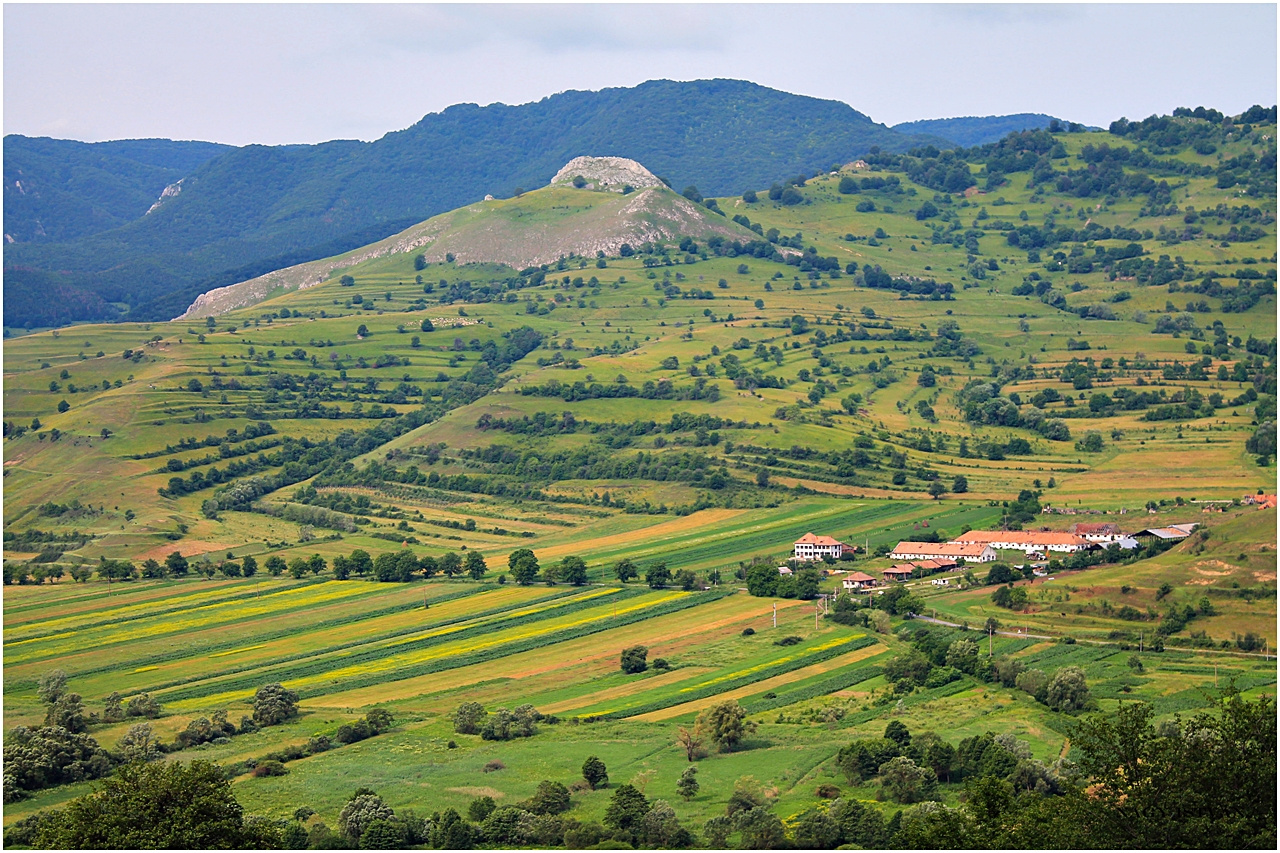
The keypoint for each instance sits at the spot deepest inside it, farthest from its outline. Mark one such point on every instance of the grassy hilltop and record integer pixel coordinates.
(900, 347)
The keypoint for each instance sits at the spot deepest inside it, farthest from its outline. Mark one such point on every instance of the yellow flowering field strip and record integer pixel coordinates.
(157, 596)
(489, 619)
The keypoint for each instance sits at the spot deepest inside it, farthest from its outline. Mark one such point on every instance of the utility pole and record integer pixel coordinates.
(775, 615)
(1139, 642)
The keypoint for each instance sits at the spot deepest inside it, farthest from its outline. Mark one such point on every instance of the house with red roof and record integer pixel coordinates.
(810, 548)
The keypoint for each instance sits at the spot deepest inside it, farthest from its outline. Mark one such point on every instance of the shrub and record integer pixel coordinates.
(269, 768)
(494, 766)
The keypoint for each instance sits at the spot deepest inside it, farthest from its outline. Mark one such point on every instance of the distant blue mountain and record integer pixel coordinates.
(978, 130)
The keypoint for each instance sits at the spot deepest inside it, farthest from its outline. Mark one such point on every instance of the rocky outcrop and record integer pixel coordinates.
(170, 191)
(606, 173)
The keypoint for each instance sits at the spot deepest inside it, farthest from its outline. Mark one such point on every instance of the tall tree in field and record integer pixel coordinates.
(726, 724)
(523, 565)
(450, 564)
(595, 773)
(475, 565)
(626, 570)
(573, 570)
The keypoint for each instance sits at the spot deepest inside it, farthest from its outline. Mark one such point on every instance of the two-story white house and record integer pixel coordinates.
(810, 548)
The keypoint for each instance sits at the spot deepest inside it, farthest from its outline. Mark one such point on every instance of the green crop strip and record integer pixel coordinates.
(780, 668)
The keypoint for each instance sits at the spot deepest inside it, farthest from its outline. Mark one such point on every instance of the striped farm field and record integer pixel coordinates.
(437, 650)
(277, 641)
(565, 671)
(763, 665)
(24, 605)
(765, 685)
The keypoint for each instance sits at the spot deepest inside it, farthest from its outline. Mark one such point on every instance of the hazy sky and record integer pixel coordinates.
(306, 73)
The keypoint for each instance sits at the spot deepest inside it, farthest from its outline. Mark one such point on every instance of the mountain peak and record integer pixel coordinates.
(606, 173)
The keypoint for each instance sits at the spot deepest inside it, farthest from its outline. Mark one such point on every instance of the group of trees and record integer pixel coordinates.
(764, 580)
(471, 718)
(525, 568)
(62, 751)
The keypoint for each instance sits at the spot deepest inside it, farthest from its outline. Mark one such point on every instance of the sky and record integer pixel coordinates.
(301, 73)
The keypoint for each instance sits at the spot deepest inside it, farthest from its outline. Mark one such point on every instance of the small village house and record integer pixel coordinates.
(857, 581)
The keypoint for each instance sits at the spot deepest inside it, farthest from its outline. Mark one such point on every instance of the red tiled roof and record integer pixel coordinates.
(810, 539)
(986, 537)
(941, 549)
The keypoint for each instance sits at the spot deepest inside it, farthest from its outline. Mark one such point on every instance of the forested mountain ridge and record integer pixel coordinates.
(258, 208)
(60, 189)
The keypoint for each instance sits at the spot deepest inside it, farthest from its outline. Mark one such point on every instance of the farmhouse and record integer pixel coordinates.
(898, 573)
(1024, 540)
(858, 580)
(970, 552)
(809, 548)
